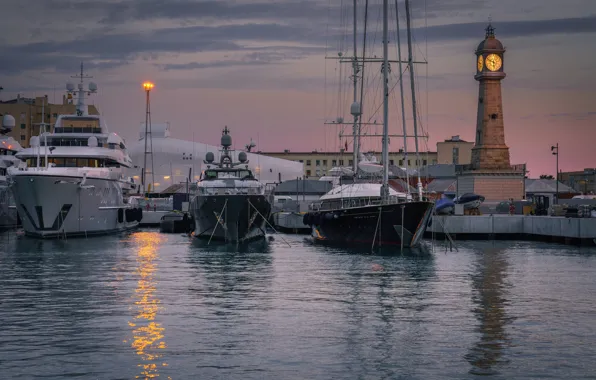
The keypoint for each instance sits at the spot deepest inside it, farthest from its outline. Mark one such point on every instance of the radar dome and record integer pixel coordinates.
(242, 157)
(226, 140)
(92, 87)
(70, 87)
(8, 122)
(34, 141)
(92, 142)
(355, 109)
(209, 157)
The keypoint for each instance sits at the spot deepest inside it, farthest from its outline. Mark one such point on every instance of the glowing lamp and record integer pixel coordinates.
(148, 86)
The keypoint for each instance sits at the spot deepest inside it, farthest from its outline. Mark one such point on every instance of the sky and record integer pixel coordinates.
(260, 67)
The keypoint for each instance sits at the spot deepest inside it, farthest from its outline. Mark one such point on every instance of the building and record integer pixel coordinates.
(175, 161)
(317, 164)
(583, 181)
(28, 115)
(454, 151)
(490, 172)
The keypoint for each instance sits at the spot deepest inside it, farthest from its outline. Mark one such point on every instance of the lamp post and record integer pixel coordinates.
(148, 86)
(555, 151)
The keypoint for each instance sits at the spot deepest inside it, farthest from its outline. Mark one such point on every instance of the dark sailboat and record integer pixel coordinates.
(230, 204)
(372, 213)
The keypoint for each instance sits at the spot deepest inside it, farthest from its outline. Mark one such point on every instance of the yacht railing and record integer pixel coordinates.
(354, 202)
(225, 190)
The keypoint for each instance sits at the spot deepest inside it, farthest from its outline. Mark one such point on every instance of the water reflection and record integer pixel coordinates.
(490, 290)
(148, 335)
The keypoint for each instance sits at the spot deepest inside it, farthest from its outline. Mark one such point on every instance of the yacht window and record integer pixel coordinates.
(2, 171)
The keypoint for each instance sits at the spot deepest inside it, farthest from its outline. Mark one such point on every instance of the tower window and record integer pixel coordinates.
(493, 116)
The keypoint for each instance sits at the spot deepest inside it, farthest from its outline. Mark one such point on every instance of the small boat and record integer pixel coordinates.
(444, 206)
(175, 222)
(469, 200)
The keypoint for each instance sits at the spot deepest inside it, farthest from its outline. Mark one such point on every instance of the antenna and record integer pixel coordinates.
(80, 92)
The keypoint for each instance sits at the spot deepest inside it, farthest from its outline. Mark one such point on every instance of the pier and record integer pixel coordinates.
(515, 227)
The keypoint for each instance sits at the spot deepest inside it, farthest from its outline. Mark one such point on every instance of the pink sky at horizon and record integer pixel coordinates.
(272, 86)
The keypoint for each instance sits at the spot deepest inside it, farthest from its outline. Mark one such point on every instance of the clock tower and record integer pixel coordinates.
(490, 151)
(491, 173)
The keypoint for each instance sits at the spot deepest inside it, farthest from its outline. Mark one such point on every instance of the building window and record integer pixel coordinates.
(333, 162)
(23, 126)
(55, 115)
(22, 117)
(23, 137)
(401, 162)
(318, 162)
(341, 162)
(424, 162)
(391, 162)
(409, 163)
(308, 173)
(434, 162)
(456, 155)
(351, 162)
(324, 162)
(308, 162)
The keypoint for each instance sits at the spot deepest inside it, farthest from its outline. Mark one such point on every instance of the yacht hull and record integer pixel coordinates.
(8, 210)
(361, 225)
(231, 218)
(54, 206)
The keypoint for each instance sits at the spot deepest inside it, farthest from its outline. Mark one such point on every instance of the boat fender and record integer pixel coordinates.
(120, 215)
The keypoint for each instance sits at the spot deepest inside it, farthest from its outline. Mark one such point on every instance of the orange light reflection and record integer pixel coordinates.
(148, 335)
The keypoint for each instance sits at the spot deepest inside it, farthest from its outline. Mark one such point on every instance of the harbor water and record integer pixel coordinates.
(150, 305)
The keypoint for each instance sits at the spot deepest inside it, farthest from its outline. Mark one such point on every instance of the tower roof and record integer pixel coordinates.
(490, 41)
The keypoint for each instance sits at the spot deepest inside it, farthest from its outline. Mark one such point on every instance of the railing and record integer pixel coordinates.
(521, 168)
(224, 190)
(354, 202)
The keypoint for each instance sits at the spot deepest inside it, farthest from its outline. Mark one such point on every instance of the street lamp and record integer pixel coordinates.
(148, 86)
(555, 151)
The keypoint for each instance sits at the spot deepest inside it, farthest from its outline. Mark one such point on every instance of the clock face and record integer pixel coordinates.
(480, 63)
(494, 62)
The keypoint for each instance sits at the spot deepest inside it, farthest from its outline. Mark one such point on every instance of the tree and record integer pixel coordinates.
(546, 176)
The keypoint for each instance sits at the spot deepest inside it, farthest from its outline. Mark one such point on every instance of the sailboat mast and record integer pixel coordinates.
(401, 90)
(355, 108)
(385, 187)
(415, 116)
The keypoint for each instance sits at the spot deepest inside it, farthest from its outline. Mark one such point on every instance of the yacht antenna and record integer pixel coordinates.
(414, 116)
(403, 107)
(81, 108)
(385, 186)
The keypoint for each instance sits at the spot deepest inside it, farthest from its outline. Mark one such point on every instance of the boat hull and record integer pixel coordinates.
(54, 206)
(231, 218)
(361, 225)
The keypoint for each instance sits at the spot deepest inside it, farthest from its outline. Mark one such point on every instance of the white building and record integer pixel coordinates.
(174, 160)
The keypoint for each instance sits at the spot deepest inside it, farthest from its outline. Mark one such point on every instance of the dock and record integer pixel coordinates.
(290, 222)
(515, 227)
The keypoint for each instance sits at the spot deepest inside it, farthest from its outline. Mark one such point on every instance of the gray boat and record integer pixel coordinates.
(230, 204)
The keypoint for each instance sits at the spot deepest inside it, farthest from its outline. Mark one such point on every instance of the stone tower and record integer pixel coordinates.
(491, 173)
(490, 151)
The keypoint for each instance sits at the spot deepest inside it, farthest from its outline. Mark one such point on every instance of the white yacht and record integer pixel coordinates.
(8, 150)
(73, 183)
